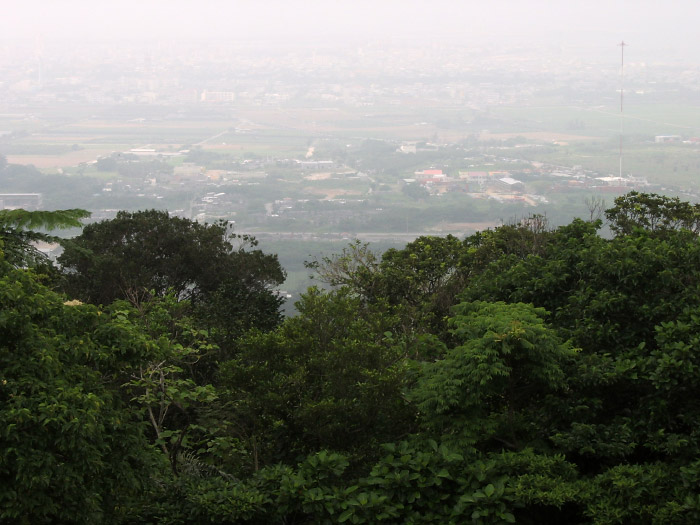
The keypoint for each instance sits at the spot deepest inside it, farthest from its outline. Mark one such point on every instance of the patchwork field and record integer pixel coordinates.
(64, 160)
(573, 135)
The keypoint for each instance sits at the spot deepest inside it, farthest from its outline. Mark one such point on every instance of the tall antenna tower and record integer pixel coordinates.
(39, 54)
(622, 93)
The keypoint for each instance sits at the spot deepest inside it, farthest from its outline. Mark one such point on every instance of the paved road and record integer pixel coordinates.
(211, 138)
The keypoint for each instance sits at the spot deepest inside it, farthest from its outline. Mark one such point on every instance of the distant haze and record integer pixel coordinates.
(654, 29)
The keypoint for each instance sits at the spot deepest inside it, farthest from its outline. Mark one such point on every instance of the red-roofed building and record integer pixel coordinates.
(429, 173)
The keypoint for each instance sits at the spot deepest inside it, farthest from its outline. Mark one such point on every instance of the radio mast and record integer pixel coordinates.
(622, 92)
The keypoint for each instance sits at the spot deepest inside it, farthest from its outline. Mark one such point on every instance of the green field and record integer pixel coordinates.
(665, 164)
(602, 121)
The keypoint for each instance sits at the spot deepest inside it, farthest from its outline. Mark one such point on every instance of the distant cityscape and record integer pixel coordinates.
(182, 74)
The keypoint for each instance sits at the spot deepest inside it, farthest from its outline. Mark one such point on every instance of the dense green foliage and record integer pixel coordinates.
(654, 213)
(137, 255)
(521, 375)
(320, 381)
(72, 448)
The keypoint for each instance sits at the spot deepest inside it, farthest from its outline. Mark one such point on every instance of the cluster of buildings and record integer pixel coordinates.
(504, 185)
(437, 182)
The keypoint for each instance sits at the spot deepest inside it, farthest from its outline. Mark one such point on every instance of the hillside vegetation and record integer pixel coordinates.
(520, 375)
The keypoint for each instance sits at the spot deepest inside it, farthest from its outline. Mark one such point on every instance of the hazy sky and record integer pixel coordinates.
(646, 24)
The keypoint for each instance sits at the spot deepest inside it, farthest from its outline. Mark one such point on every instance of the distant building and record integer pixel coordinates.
(143, 151)
(508, 184)
(475, 179)
(430, 173)
(623, 182)
(315, 165)
(26, 201)
(218, 96)
(660, 139)
(614, 181)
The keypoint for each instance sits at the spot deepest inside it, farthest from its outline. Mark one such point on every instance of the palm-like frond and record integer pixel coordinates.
(18, 232)
(47, 220)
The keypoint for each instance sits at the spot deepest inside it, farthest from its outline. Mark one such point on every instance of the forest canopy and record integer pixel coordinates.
(520, 375)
